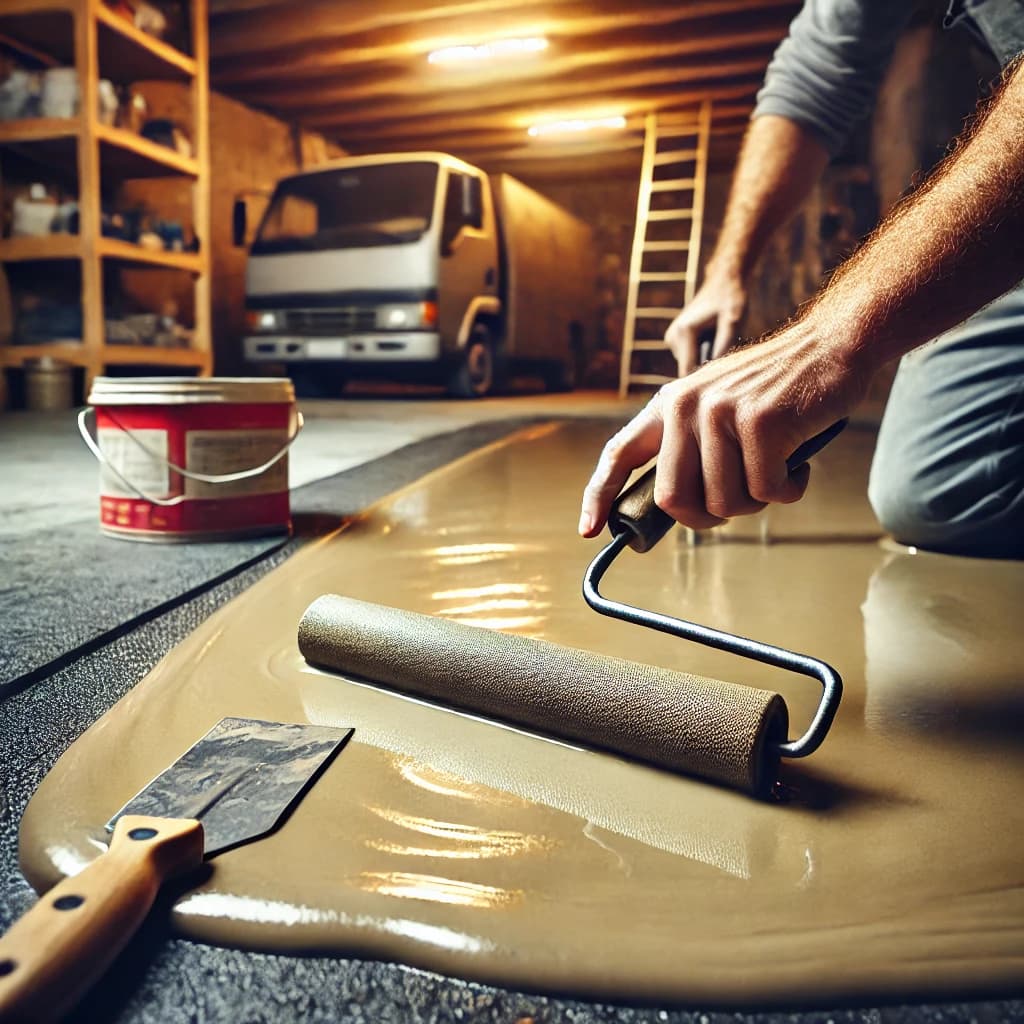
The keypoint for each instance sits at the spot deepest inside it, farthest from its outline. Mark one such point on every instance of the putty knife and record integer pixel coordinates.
(233, 786)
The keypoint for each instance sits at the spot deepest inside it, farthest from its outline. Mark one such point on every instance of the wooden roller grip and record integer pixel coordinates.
(684, 723)
(635, 513)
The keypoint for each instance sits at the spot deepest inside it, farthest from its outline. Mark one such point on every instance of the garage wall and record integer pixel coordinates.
(249, 151)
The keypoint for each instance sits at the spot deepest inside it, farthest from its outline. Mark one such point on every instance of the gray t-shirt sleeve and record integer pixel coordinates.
(825, 73)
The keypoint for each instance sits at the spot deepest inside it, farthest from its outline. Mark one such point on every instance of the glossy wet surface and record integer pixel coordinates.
(445, 841)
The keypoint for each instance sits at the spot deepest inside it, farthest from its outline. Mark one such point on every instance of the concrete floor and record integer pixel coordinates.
(338, 434)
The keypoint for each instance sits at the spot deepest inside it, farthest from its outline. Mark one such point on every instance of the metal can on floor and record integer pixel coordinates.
(48, 384)
(192, 458)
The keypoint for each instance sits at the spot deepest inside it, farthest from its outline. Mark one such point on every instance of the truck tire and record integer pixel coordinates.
(317, 380)
(475, 374)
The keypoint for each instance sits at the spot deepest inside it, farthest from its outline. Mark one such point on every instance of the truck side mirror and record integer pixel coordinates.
(239, 226)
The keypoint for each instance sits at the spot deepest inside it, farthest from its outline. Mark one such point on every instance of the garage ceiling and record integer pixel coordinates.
(357, 71)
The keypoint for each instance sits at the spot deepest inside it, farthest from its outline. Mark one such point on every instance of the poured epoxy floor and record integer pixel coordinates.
(892, 866)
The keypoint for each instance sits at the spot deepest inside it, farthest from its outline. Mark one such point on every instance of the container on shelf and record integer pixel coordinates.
(48, 384)
(19, 95)
(32, 216)
(191, 458)
(60, 92)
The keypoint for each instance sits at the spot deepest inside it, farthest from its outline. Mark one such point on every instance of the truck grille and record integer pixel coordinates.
(344, 320)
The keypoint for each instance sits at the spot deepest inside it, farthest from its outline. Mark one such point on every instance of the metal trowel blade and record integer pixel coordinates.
(240, 779)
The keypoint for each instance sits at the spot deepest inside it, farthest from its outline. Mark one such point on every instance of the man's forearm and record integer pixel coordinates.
(953, 246)
(778, 166)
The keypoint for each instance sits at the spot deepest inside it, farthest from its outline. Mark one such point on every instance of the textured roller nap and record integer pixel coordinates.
(716, 730)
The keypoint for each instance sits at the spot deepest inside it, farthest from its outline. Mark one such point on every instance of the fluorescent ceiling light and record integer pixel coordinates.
(576, 124)
(485, 51)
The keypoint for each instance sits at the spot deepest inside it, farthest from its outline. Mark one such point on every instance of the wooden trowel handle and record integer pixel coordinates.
(51, 956)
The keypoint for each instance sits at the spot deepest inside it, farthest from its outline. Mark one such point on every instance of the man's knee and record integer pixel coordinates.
(947, 512)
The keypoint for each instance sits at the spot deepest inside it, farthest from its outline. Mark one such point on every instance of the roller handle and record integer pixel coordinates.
(634, 511)
(55, 952)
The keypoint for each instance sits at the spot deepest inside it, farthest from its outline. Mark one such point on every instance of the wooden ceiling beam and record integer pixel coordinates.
(425, 82)
(291, 24)
(734, 118)
(410, 42)
(628, 103)
(597, 165)
(557, 98)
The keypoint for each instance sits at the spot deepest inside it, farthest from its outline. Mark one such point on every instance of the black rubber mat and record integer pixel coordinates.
(70, 590)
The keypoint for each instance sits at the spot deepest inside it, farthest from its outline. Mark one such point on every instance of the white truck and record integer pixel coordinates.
(417, 266)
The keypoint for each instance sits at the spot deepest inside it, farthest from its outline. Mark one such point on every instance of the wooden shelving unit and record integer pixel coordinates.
(102, 44)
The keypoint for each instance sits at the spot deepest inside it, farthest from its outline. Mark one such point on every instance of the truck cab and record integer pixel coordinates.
(386, 264)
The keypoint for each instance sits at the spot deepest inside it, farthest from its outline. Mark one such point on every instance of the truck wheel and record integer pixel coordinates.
(313, 380)
(474, 376)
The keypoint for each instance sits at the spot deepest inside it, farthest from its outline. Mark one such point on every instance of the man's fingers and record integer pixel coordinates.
(725, 479)
(684, 346)
(725, 335)
(631, 447)
(679, 483)
(769, 479)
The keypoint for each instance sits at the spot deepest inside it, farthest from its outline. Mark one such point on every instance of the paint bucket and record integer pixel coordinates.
(192, 458)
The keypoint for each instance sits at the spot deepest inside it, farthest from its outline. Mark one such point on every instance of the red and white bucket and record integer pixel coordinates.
(192, 458)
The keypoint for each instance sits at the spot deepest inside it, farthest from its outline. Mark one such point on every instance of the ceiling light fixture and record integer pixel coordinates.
(485, 51)
(576, 124)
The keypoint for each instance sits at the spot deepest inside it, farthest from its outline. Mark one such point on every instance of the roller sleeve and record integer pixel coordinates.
(716, 730)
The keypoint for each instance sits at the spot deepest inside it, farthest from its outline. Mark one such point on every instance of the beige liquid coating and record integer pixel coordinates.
(892, 867)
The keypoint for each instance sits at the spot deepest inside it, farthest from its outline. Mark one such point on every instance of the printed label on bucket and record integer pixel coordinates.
(142, 460)
(216, 452)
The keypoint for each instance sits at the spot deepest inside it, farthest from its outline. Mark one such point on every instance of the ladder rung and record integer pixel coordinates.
(649, 378)
(677, 131)
(657, 275)
(677, 214)
(661, 312)
(649, 346)
(673, 184)
(666, 246)
(675, 156)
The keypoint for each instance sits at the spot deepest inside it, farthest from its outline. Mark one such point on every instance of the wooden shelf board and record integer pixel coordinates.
(148, 355)
(128, 55)
(69, 247)
(123, 154)
(46, 247)
(128, 155)
(110, 355)
(129, 252)
(70, 351)
(39, 129)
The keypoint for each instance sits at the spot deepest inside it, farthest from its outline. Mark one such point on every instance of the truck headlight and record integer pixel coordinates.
(261, 320)
(407, 315)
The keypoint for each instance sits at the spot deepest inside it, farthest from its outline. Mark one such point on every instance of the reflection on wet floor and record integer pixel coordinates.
(889, 865)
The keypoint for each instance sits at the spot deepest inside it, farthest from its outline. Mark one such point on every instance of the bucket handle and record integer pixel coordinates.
(206, 478)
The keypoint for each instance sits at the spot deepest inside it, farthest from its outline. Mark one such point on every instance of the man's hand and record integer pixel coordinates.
(722, 435)
(719, 302)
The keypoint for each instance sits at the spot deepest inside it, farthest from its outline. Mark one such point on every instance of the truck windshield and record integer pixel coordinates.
(348, 208)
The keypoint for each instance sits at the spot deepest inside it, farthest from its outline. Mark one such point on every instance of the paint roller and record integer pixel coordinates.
(721, 731)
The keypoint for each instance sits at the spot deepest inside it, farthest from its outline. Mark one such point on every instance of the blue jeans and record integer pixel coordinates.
(948, 472)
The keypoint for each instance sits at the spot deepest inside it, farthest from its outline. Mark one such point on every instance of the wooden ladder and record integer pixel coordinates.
(675, 162)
